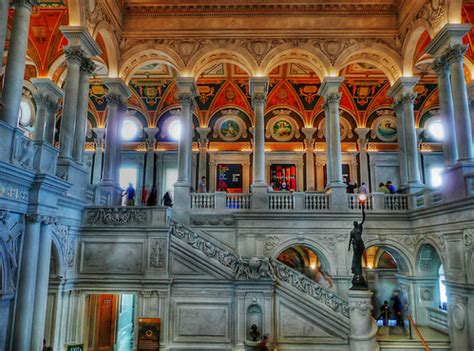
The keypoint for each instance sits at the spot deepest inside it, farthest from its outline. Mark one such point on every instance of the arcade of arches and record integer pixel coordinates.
(185, 175)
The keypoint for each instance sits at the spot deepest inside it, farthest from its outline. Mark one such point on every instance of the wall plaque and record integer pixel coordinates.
(148, 334)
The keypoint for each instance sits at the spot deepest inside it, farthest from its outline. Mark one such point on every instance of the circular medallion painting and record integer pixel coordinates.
(230, 129)
(282, 130)
(386, 129)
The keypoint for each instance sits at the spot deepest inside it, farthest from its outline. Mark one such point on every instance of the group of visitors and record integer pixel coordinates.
(387, 188)
(397, 307)
(147, 199)
(351, 187)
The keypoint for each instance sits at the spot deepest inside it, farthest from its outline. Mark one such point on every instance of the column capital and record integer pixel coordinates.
(151, 133)
(440, 66)
(362, 133)
(455, 53)
(333, 98)
(407, 97)
(203, 133)
(88, 66)
(186, 90)
(44, 219)
(117, 87)
(80, 36)
(74, 54)
(28, 3)
(450, 34)
(258, 89)
(402, 86)
(48, 87)
(308, 132)
(330, 85)
(99, 135)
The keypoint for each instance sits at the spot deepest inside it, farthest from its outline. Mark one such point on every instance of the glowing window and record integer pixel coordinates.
(443, 297)
(130, 129)
(436, 178)
(128, 175)
(25, 113)
(436, 130)
(174, 130)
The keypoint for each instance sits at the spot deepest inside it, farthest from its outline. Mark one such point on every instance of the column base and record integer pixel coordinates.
(337, 197)
(182, 197)
(108, 193)
(259, 198)
(75, 174)
(458, 181)
(363, 326)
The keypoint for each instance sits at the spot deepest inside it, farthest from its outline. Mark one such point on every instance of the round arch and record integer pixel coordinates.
(203, 59)
(378, 55)
(402, 257)
(410, 43)
(291, 108)
(215, 113)
(111, 46)
(57, 255)
(424, 250)
(320, 251)
(142, 55)
(312, 58)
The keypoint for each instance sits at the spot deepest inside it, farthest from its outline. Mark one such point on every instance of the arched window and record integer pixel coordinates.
(435, 129)
(443, 297)
(26, 113)
(131, 128)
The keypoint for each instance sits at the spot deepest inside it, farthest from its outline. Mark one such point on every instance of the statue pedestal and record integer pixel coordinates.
(363, 326)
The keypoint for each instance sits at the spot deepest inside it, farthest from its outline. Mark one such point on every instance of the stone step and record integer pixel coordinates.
(413, 345)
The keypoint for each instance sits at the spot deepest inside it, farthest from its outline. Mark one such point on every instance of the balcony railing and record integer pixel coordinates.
(314, 201)
(438, 319)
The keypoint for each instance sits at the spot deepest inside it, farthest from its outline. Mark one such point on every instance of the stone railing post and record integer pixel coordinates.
(298, 198)
(220, 200)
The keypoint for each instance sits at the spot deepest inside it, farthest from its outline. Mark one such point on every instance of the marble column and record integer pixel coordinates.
(4, 4)
(99, 154)
(402, 92)
(362, 142)
(258, 93)
(80, 130)
(118, 92)
(150, 157)
(15, 68)
(330, 92)
(411, 139)
(74, 56)
(42, 284)
(186, 92)
(450, 150)
(203, 144)
(25, 297)
(46, 100)
(309, 146)
(455, 56)
(402, 153)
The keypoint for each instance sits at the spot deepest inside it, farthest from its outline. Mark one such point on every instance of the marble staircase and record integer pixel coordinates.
(394, 340)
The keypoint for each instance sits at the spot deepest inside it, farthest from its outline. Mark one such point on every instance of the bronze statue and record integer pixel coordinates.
(358, 281)
(254, 333)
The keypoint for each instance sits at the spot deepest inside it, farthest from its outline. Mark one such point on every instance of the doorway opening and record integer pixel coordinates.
(110, 322)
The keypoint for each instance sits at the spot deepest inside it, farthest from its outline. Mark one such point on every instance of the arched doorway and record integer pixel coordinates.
(385, 269)
(307, 261)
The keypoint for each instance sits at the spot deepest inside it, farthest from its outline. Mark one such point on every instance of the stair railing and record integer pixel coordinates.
(417, 331)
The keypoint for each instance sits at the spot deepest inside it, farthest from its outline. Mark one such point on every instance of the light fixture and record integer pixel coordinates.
(362, 199)
(174, 130)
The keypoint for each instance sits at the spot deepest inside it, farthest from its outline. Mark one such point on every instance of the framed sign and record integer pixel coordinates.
(75, 347)
(148, 334)
(229, 178)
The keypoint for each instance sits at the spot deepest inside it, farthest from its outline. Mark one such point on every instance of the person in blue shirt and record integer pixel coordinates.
(392, 188)
(130, 195)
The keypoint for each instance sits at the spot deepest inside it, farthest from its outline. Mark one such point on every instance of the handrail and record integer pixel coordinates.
(425, 345)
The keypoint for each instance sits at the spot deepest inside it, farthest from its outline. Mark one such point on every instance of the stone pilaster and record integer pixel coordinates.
(186, 92)
(309, 147)
(258, 93)
(4, 5)
(362, 143)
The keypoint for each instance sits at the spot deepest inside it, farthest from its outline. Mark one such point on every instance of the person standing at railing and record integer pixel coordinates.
(391, 188)
(202, 186)
(383, 189)
(363, 189)
(130, 194)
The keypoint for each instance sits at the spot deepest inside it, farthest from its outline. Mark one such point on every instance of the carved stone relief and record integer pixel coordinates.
(157, 253)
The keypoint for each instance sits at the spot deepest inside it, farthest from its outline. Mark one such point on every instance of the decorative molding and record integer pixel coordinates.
(157, 253)
(115, 216)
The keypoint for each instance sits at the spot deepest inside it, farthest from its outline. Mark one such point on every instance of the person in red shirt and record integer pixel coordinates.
(262, 345)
